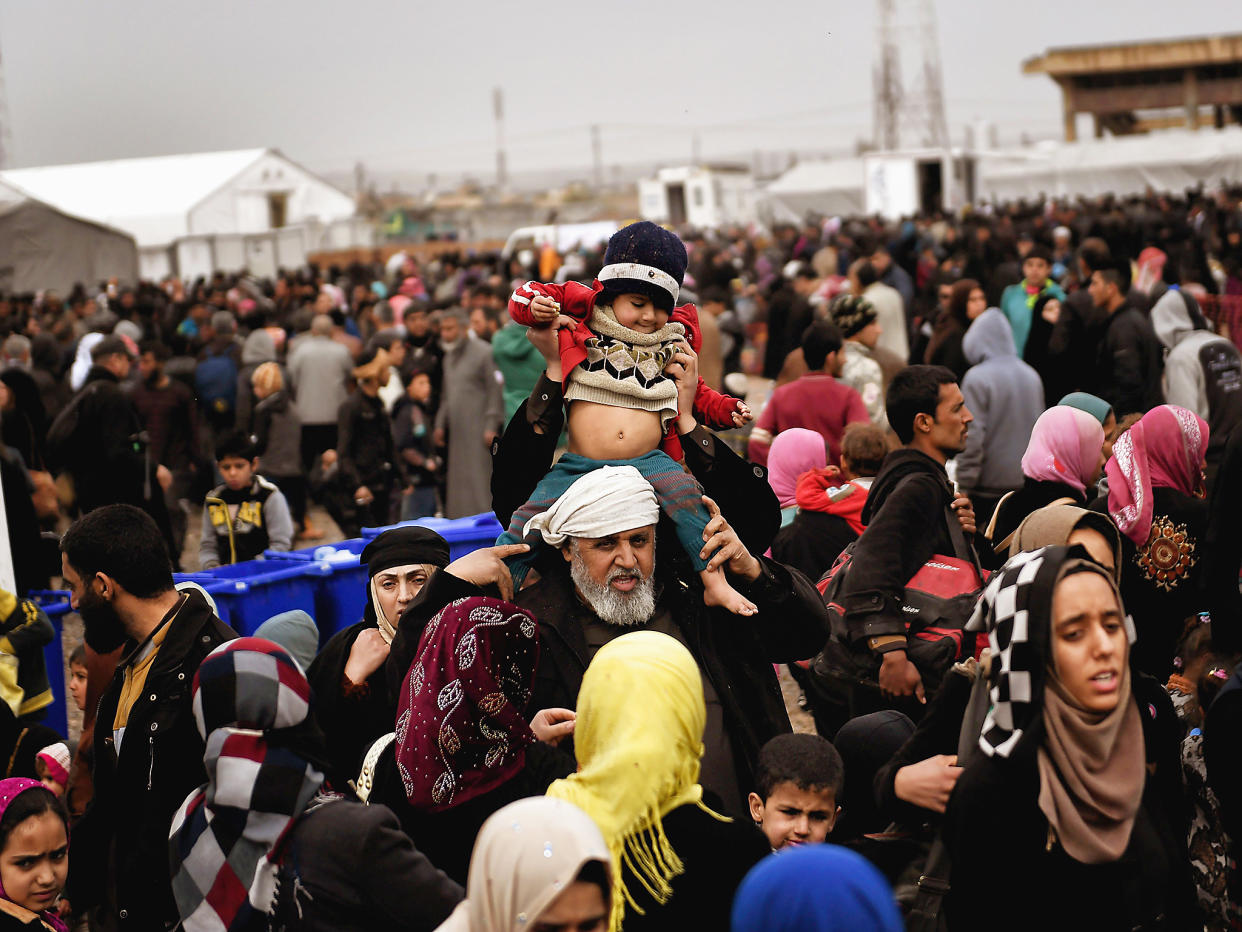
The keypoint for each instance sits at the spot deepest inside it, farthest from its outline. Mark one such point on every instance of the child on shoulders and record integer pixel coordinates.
(616, 340)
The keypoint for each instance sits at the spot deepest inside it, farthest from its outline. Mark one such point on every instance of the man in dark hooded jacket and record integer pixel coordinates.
(905, 519)
(107, 453)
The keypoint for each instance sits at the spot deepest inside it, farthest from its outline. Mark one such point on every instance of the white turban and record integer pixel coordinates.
(605, 501)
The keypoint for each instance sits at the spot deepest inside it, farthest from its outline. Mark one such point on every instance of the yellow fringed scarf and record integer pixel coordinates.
(638, 740)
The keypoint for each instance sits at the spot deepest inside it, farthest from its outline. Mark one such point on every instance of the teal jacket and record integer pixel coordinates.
(1019, 306)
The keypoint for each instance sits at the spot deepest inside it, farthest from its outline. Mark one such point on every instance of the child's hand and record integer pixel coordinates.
(544, 310)
(742, 414)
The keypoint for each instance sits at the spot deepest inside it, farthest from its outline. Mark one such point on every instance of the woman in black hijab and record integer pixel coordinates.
(352, 701)
(966, 302)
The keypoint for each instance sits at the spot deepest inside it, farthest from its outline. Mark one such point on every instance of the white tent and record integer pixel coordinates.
(44, 248)
(830, 187)
(162, 199)
(1166, 161)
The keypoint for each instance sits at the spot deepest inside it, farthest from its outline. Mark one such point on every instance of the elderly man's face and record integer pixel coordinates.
(614, 574)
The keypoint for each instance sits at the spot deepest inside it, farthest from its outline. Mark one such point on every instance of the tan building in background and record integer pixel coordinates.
(1143, 86)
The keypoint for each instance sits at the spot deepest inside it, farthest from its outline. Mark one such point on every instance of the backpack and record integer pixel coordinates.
(58, 447)
(937, 603)
(215, 381)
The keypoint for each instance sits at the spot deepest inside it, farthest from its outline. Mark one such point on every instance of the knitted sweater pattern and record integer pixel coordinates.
(625, 368)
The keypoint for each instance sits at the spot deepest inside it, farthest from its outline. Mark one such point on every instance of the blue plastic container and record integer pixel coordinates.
(254, 591)
(55, 604)
(464, 535)
(341, 592)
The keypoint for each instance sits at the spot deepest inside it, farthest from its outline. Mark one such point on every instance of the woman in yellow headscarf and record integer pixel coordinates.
(638, 740)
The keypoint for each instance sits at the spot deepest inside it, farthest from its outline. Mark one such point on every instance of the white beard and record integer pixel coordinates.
(616, 608)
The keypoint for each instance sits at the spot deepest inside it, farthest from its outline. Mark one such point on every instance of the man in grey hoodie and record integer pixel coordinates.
(1006, 397)
(1202, 371)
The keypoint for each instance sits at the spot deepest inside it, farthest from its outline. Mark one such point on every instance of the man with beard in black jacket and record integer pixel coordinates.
(905, 519)
(148, 752)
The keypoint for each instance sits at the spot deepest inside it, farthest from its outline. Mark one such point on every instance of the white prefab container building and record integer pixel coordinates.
(220, 199)
(705, 197)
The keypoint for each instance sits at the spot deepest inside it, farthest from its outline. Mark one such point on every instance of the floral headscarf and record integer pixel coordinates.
(461, 726)
(1163, 450)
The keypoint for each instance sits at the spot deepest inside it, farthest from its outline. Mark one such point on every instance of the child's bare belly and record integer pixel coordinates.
(606, 432)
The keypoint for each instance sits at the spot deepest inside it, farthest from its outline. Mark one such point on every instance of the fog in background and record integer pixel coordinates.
(407, 86)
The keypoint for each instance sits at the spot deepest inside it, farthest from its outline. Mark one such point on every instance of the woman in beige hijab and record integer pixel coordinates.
(539, 863)
(1064, 819)
(1067, 525)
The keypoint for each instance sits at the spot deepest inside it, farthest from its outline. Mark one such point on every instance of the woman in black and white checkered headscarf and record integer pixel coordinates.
(1058, 803)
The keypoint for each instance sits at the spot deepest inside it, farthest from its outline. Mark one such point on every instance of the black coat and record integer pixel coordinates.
(10, 922)
(812, 542)
(905, 521)
(350, 724)
(1129, 363)
(108, 464)
(120, 847)
(350, 867)
(717, 856)
(735, 653)
(447, 838)
(1222, 556)
(949, 352)
(1160, 607)
(1034, 494)
(364, 443)
(1005, 876)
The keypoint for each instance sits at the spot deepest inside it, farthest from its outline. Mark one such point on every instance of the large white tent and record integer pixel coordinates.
(833, 187)
(1166, 161)
(161, 200)
(44, 248)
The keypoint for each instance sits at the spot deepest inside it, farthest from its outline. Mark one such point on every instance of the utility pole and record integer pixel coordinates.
(498, 111)
(5, 132)
(597, 157)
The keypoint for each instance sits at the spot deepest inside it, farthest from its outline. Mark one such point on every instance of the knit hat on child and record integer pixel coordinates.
(645, 259)
(55, 758)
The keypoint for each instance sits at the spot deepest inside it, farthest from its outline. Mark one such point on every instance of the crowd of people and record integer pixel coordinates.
(984, 523)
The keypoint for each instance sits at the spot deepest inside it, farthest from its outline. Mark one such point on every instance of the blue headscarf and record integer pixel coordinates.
(1098, 408)
(815, 888)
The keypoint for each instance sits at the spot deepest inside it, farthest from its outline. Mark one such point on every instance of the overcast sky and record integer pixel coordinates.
(403, 85)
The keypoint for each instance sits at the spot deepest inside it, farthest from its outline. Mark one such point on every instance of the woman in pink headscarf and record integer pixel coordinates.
(1156, 499)
(1061, 464)
(793, 452)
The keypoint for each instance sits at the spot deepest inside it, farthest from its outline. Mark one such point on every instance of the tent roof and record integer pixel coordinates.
(145, 187)
(13, 198)
(1171, 147)
(834, 175)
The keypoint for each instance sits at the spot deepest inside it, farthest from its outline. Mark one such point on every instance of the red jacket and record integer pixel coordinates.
(578, 301)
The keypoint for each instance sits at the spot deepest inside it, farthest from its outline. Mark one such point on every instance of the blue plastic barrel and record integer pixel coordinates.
(55, 604)
(464, 535)
(341, 592)
(254, 591)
